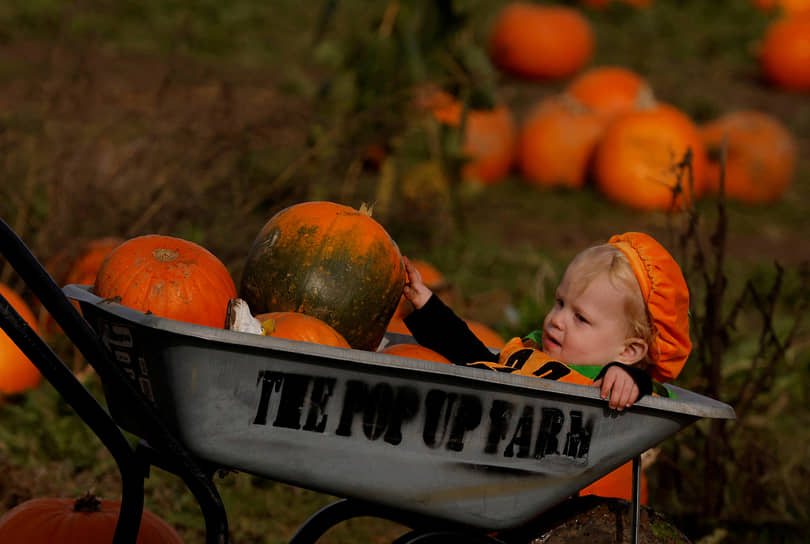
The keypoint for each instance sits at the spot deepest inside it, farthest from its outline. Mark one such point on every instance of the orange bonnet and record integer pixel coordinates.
(667, 296)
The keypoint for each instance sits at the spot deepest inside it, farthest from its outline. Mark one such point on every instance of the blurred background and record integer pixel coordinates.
(493, 140)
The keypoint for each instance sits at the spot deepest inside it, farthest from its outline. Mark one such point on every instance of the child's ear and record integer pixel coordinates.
(635, 349)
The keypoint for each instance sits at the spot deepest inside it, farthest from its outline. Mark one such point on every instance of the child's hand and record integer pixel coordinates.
(619, 387)
(415, 290)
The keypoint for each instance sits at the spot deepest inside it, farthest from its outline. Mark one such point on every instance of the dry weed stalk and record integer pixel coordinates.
(716, 314)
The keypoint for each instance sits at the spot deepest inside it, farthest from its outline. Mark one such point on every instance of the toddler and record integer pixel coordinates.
(620, 318)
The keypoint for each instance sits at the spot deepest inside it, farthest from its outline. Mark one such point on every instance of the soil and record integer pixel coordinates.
(596, 520)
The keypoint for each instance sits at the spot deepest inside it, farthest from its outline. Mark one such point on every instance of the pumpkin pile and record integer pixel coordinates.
(606, 128)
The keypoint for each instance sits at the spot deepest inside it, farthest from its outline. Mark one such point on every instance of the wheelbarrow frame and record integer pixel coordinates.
(165, 450)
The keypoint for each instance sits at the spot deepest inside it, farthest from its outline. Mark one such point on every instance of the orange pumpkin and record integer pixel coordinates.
(87, 520)
(635, 160)
(486, 334)
(785, 52)
(541, 41)
(556, 143)
(610, 90)
(169, 277)
(761, 155)
(301, 327)
(415, 351)
(17, 372)
(331, 262)
(489, 138)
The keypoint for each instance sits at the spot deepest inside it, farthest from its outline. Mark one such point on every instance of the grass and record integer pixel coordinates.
(201, 119)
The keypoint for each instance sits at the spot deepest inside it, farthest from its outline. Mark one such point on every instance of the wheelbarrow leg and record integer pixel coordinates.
(91, 412)
(636, 499)
(201, 485)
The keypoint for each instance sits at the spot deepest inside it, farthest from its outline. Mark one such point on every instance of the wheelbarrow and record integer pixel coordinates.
(447, 451)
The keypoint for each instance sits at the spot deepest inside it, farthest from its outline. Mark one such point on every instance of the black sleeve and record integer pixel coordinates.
(642, 379)
(437, 327)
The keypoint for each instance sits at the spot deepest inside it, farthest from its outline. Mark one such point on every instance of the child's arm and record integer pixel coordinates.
(415, 289)
(622, 385)
(435, 326)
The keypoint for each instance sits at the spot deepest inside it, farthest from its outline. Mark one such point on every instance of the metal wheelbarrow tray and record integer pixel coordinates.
(481, 448)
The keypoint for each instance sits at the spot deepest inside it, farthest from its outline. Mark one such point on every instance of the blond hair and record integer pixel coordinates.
(606, 259)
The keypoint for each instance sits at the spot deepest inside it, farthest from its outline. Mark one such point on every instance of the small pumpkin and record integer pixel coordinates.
(301, 327)
(610, 90)
(17, 372)
(329, 261)
(415, 351)
(486, 334)
(556, 143)
(489, 138)
(87, 520)
(635, 161)
(169, 277)
(541, 41)
(761, 155)
(785, 52)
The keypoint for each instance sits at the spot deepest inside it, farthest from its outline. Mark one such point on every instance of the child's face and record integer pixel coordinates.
(587, 328)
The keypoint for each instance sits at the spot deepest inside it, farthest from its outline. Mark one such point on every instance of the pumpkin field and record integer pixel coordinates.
(492, 141)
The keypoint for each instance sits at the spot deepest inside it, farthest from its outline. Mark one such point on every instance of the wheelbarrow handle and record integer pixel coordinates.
(131, 466)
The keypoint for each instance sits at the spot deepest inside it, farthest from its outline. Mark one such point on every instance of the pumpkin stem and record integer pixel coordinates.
(269, 327)
(87, 503)
(164, 255)
(366, 209)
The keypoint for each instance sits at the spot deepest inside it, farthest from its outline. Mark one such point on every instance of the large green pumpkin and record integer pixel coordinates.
(331, 262)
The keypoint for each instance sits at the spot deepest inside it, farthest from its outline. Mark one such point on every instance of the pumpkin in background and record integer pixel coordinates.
(329, 261)
(610, 90)
(761, 155)
(635, 161)
(301, 327)
(17, 372)
(81, 270)
(541, 41)
(556, 143)
(486, 334)
(415, 351)
(488, 141)
(783, 6)
(87, 520)
(785, 52)
(599, 4)
(168, 277)
(84, 268)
